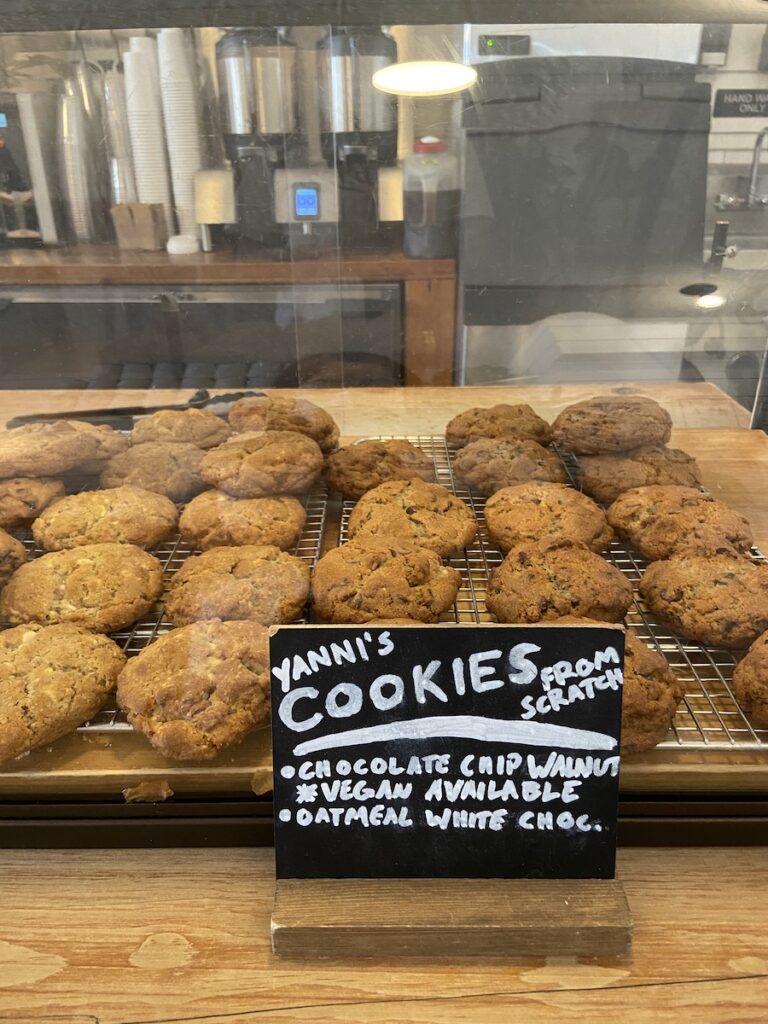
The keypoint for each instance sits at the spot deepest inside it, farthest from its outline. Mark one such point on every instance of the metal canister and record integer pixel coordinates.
(376, 111)
(257, 82)
(348, 59)
(336, 82)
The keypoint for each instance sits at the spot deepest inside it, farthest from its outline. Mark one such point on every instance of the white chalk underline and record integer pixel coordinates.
(471, 727)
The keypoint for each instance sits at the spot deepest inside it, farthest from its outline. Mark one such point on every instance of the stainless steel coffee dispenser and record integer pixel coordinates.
(358, 124)
(257, 93)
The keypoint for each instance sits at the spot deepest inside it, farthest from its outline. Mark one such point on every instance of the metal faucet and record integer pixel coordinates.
(751, 201)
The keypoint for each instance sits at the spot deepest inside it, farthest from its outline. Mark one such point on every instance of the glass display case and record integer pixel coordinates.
(438, 233)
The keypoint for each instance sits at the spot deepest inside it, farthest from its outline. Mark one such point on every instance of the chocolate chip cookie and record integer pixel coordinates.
(58, 446)
(278, 413)
(360, 467)
(12, 555)
(750, 682)
(126, 515)
(651, 696)
(663, 520)
(720, 600)
(605, 477)
(22, 499)
(214, 519)
(254, 581)
(413, 510)
(651, 692)
(258, 465)
(489, 464)
(103, 587)
(169, 469)
(611, 423)
(200, 689)
(52, 679)
(365, 580)
(187, 426)
(547, 511)
(499, 421)
(550, 579)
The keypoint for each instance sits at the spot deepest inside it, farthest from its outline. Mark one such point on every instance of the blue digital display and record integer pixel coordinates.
(306, 201)
(3, 121)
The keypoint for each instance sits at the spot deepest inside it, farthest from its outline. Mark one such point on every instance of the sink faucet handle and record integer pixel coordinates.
(724, 201)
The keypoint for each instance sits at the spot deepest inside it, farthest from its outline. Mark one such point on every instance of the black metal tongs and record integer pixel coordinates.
(123, 416)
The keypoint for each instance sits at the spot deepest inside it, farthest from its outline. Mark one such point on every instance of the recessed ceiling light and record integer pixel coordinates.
(710, 301)
(424, 78)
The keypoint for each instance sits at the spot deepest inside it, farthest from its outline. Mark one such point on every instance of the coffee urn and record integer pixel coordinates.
(257, 93)
(358, 124)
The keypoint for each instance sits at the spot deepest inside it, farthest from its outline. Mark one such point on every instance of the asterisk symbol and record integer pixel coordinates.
(306, 793)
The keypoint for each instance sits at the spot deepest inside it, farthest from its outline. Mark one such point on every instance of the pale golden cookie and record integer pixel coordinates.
(169, 469)
(214, 519)
(250, 582)
(127, 515)
(264, 412)
(52, 679)
(187, 426)
(258, 465)
(199, 689)
(103, 587)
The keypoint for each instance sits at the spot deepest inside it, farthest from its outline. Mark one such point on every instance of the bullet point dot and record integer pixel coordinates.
(285, 815)
(287, 771)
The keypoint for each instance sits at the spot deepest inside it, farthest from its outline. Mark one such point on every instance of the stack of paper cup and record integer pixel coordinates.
(180, 109)
(147, 46)
(145, 126)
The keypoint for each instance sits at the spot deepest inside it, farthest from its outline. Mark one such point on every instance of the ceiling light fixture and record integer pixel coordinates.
(710, 301)
(424, 78)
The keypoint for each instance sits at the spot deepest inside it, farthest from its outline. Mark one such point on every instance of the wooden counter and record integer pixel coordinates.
(168, 936)
(707, 423)
(370, 411)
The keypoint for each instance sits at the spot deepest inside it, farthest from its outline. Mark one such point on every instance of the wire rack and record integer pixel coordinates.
(172, 554)
(708, 717)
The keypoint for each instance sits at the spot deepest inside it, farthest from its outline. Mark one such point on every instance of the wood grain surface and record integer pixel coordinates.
(363, 411)
(183, 935)
(707, 423)
(106, 264)
(439, 917)
(429, 332)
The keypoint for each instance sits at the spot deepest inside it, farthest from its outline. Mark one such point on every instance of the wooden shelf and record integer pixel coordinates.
(106, 264)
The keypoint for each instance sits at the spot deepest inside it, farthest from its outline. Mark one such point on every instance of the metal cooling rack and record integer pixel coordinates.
(173, 553)
(708, 718)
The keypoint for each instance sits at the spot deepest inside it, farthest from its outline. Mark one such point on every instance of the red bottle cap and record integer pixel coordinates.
(429, 144)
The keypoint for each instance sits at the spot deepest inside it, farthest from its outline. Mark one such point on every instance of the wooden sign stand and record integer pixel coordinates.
(456, 917)
(486, 750)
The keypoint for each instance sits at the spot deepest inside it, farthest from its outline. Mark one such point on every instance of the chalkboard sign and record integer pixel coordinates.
(446, 751)
(741, 103)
